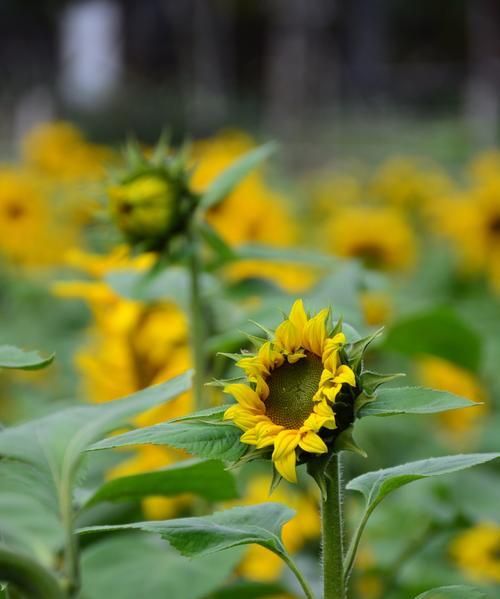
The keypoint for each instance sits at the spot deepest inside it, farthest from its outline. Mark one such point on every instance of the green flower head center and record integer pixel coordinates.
(291, 391)
(144, 207)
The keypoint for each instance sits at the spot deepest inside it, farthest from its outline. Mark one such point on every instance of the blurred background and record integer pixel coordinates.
(383, 200)
(321, 74)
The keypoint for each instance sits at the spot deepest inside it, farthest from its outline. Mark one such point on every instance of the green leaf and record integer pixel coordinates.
(260, 524)
(356, 350)
(15, 358)
(133, 565)
(286, 256)
(205, 478)
(203, 439)
(371, 381)
(232, 176)
(412, 400)
(209, 414)
(377, 485)
(438, 332)
(224, 251)
(453, 592)
(54, 445)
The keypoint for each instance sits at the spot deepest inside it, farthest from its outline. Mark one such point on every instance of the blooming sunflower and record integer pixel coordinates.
(294, 380)
(380, 237)
(477, 552)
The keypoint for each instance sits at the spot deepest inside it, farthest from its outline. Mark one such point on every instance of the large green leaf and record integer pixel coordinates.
(232, 176)
(54, 445)
(453, 592)
(412, 400)
(439, 332)
(260, 524)
(203, 439)
(377, 485)
(14, 358)
(133, 565)
(205, 478)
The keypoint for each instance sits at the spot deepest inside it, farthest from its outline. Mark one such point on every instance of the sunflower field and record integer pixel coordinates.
(225, 378)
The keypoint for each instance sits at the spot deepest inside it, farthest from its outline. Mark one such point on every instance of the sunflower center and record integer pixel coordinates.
(494, 226)
(291, 391)
(371, 254)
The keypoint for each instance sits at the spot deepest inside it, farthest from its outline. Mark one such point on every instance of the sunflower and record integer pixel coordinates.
(471, 221)
(59, 149)
(477, 552)
(131, 345)
(408, 183)
(293, 382)
(32, 232)
(380, 237)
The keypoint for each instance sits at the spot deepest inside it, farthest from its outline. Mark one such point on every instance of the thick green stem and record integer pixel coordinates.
(197, 321)
(27, 575)
(332, 531)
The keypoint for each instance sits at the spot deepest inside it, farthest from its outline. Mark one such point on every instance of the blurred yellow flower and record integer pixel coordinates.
(441, 374)
(253, 213)
(471, 221)
(376, 307)
(477, 552)
(380, 237)
(59, 149)
(32, 231)
(131, 345)
(259, 563)
(405, 182)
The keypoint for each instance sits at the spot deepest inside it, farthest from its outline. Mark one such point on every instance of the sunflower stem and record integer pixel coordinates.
(332, 532)
(197, 322)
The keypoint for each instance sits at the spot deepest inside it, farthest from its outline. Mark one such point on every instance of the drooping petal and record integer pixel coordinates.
(267, 433)
(244, 419)
(250, 437)
(344, 374)
(314, 335)
(284, 457)
(245, 396)
(312, 443)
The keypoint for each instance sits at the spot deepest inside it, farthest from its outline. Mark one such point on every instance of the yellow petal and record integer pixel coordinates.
(267, 433)
(244, 419)
(298, 316)
(285, 442)
(345, 375)
(245, 396)
(312, 443)
(284, 457)
(269, 357)
(314, 334)
(250, 437)
(288, 336)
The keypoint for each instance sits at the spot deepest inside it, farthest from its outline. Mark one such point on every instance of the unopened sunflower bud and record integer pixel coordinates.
(143, 208)
(151, 201)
